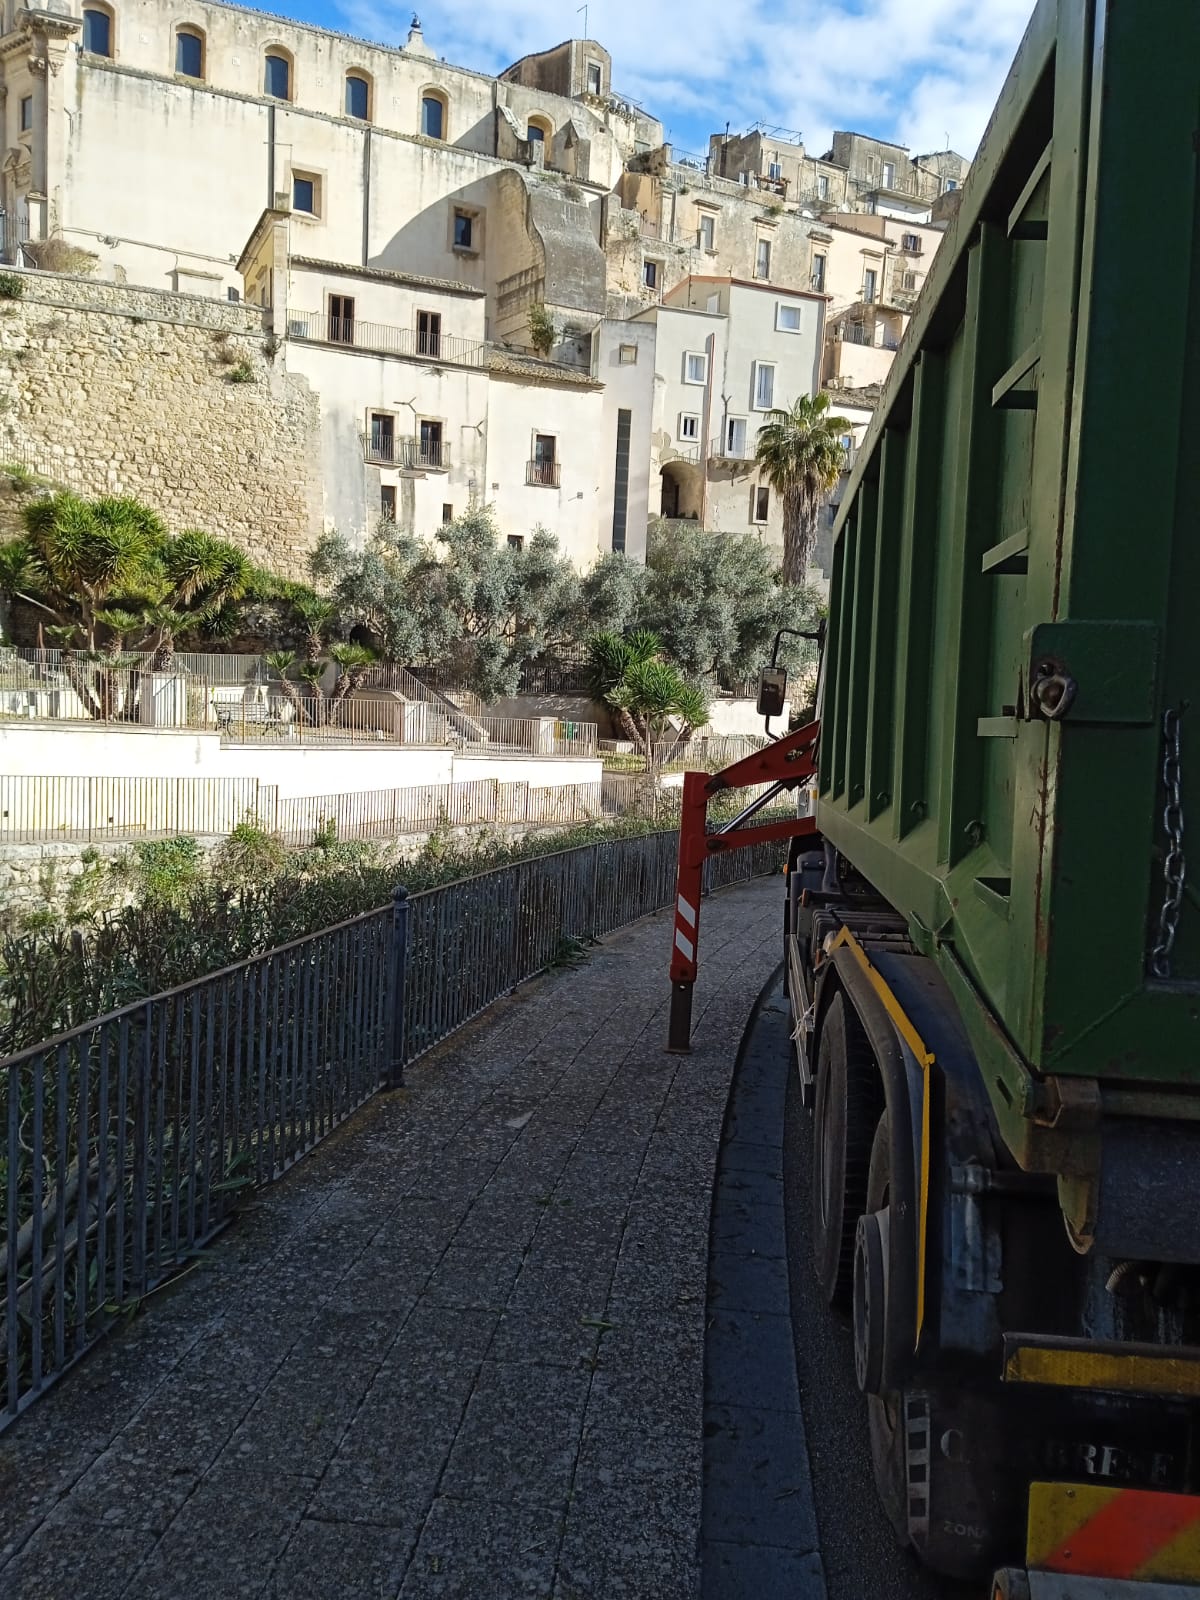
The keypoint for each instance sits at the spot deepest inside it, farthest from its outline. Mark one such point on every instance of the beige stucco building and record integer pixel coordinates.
(727, 352)
(396, 218)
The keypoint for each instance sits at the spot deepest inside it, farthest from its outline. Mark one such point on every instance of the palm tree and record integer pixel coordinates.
(89, 551)
(802, 454)
(315, 614)
(282, 662)
(352, 663)
(646, 692)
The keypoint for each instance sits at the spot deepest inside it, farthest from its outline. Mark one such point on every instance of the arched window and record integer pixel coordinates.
(539, 129)
(189, 52)
(433, 114)
(97, 30)
(358, 97)
(277, 75)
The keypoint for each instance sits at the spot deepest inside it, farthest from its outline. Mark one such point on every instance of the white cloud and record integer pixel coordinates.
(911, 70)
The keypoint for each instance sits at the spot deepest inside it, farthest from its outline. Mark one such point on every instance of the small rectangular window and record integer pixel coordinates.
(383, 436)
(951, 183)
(97, 32)
(708, 233)
(516, 541)
(277, 78)
(888, 175)
(627, 355)
(762, 260)
(764, 385)
(26, 112)
(650, 274)
(760, 504)
(689, 425)
(822, 188)
(447, 513)
(870, 284)
(387, 502)
(787, 318)
(774, 170)
(429, 333)
(464, 230)
(304, 194)
(695, 367)
(431, 452)
(594, 77)
(358, 97)
(433, 117)
(341, 319)
(735, 438)
(910, 241)
(189, 55)
(818, 274)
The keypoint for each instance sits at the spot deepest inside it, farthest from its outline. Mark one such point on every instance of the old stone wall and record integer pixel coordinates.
(180, 401)
(46, 877)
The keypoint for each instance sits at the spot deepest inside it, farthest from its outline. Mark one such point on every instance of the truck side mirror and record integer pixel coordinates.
(772, 691)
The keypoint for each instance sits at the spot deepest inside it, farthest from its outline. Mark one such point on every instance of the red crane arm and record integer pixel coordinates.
(784, 765)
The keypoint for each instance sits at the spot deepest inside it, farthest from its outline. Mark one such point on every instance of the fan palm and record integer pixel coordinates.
(801, 452)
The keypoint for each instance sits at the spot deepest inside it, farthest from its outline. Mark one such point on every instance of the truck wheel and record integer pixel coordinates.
(845, 1113)
(937, 1456)
(885, 1412)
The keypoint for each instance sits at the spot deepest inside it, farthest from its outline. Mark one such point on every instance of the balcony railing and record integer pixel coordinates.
(724, 450)
(415, 455)
(422, 345)
(545, 474)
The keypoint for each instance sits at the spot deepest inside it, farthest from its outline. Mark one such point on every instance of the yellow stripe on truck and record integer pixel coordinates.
(1119, 1373)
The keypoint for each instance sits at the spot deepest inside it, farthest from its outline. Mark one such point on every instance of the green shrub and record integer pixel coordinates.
(165, 872)
(249, 855)
(241, 372)
(12, 286)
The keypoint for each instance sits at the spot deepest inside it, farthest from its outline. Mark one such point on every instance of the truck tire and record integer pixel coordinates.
(846, 1109)
(885, 1412)
(949, 1507)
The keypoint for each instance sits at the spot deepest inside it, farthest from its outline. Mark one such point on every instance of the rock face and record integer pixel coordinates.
(178, 400)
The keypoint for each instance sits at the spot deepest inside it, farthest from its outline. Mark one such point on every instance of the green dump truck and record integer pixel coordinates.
(992, 938)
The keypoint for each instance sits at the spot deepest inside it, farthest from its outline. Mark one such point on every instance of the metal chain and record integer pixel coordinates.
(1174, 866)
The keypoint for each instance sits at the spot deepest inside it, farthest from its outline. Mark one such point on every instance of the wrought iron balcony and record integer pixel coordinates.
(426, 344)
(410, 455)
(544, 474)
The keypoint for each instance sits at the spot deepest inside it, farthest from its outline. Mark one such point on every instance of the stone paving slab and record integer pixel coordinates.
(457, 1353)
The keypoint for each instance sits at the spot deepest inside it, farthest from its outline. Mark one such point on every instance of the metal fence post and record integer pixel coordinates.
(399, 969)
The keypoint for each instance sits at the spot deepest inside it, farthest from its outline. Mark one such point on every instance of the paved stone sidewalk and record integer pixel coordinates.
(456, 1353)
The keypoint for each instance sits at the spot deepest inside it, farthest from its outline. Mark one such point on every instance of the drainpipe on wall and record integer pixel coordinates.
(366, 189)
(270, 155)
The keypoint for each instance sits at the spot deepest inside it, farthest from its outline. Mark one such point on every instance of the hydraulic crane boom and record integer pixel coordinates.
(784, 765)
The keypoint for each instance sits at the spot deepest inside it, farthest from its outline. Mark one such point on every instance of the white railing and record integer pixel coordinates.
(89, 809)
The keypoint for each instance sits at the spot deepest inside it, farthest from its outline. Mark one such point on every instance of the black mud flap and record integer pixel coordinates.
(965, 1503)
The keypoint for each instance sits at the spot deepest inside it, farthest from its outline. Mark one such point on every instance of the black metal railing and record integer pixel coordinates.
(543, 473)
(427, 344)
(385, 449)
(128, 1139)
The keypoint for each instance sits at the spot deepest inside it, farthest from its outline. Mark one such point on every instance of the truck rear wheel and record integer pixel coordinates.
(937, 1455)
(885, 1412)
(847, 1102)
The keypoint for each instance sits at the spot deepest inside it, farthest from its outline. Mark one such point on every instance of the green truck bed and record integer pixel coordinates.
(1015, 600)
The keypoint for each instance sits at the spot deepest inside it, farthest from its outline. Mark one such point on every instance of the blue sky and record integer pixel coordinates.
(921, 72)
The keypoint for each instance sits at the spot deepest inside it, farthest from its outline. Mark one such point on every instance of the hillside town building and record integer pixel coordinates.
(400, 224)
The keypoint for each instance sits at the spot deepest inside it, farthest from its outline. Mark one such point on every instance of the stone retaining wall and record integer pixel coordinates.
(119, 390)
